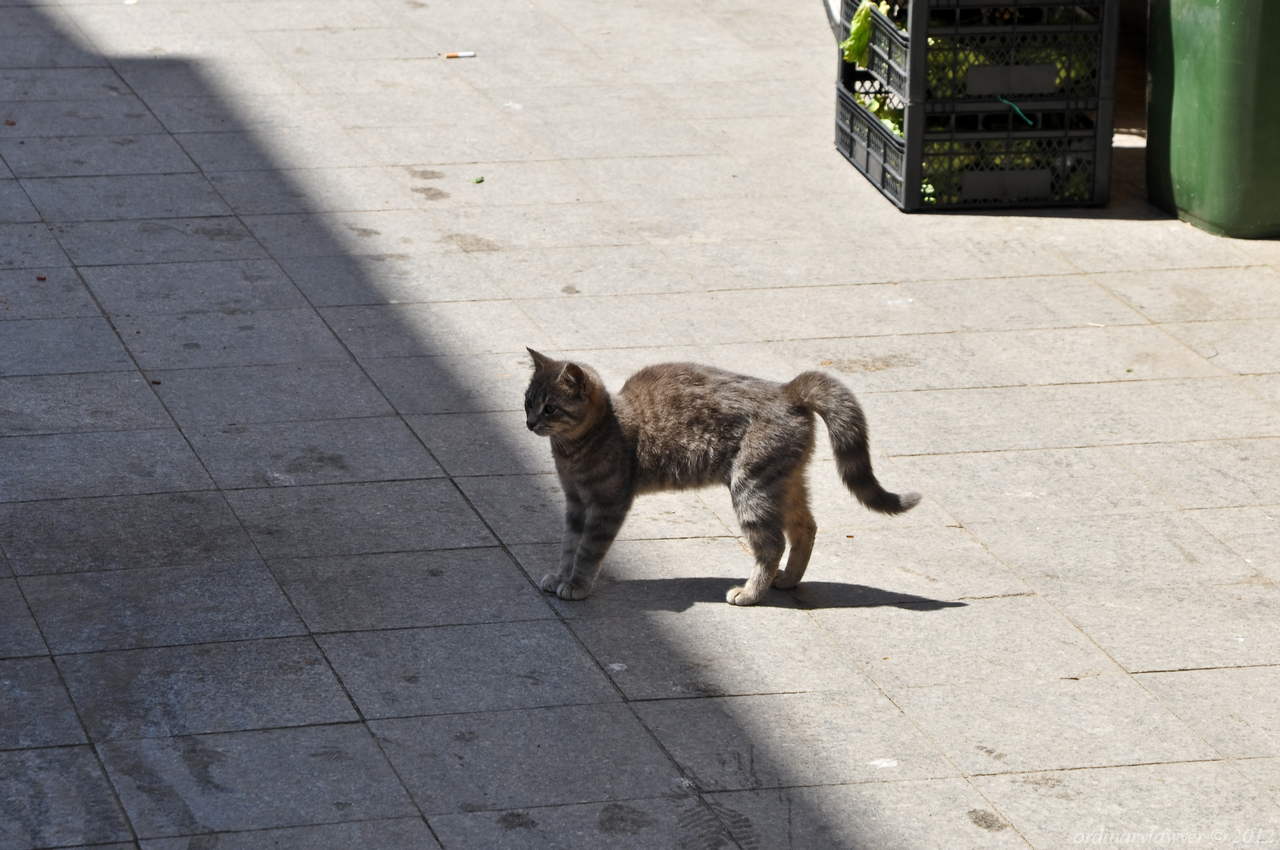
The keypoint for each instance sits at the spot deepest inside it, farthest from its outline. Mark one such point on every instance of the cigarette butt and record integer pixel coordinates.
(462, 54)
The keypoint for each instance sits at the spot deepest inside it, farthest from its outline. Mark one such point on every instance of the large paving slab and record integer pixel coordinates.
(271, 522)
(214, 783)
(59, 797)
(219, 687)
(483, 761)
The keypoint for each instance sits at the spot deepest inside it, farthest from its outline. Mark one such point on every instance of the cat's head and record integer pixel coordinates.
(564, 399)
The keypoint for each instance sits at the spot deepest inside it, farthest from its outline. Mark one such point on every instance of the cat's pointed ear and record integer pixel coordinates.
(574, 376)
(540, 361)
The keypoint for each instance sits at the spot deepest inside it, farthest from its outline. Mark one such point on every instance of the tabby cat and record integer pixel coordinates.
(680, 425)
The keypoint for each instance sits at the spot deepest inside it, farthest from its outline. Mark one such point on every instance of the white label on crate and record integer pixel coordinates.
(1011, 79)
(1007, 185)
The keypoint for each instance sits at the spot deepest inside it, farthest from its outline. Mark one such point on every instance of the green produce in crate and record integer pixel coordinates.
(945, 164)
(950, 59)
(855, 46)
(880, 106)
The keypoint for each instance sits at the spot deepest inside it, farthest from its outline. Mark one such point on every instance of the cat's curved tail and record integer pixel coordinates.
(847, 426)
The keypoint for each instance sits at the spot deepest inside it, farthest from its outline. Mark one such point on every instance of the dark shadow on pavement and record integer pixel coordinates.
(246, 591)
(681, 594)
(827, 594)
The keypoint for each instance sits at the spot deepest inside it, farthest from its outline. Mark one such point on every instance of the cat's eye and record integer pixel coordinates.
(550, 410)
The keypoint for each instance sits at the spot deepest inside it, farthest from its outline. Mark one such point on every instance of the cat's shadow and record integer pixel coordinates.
(680, 594)
(834, 594)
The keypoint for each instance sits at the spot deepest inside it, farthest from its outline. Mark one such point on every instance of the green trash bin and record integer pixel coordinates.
(1213, 114)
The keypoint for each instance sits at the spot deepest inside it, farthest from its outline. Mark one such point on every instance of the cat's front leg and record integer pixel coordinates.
(762, 527)
(603, 521)
(575, 519)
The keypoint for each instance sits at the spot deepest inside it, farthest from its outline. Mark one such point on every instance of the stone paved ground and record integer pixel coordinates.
(268, 512)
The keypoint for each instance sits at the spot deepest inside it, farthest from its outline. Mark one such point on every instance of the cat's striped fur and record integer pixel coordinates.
(680, 425)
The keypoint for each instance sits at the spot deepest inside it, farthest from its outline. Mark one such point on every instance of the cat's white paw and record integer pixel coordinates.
(550, 583)
(569, 590)
(739, 596)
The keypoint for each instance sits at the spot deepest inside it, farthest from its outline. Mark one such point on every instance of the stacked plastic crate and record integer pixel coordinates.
(970, 104)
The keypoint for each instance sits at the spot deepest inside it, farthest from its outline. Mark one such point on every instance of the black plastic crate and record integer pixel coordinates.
(977, 154)
(872, 148)
(956, 50)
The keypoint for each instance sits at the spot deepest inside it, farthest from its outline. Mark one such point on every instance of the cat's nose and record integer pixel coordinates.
(531, 422)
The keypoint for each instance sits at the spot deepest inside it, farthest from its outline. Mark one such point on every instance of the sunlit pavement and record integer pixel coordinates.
(269, 513)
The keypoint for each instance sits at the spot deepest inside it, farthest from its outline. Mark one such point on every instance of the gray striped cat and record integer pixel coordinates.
(676, 426)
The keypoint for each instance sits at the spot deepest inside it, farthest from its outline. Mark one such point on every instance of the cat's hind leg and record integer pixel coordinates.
(759, 516)
(800, 529)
